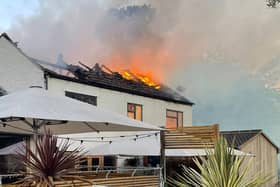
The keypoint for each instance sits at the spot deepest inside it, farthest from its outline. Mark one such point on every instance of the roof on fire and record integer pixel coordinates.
(114, 81)
(108, 80)
(241, 137)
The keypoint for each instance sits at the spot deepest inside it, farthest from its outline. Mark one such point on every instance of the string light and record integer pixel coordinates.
(93, 139)
(142, 136)
(118, 136)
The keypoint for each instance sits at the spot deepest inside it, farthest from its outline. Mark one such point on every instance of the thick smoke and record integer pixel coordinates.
(166, 31)
(176, 41)
(119, 35)
(227, 94)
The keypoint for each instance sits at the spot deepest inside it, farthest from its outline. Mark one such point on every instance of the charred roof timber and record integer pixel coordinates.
(103, 77)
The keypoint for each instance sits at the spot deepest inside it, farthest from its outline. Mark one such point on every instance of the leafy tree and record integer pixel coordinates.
(272, 3)
(2, 92)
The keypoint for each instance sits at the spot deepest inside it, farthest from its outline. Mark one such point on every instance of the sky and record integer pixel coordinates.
(12, 10)
(224, 55)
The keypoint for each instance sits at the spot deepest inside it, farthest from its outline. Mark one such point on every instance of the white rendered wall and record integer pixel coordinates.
(16, 71)
(154, 110)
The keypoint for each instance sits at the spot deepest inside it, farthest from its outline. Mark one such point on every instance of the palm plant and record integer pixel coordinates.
(220, 168)
(50, 162)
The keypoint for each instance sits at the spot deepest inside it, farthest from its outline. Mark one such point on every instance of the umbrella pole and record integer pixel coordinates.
(35, 135)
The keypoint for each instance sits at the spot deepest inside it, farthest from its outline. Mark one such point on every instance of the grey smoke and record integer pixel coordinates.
(2, 91)
(241, 35)
(227, 94)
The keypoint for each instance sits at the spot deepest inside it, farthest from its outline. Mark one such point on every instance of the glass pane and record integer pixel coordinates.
(82, 97)
(95, 161)
(171, 123)
(171, 114)
(84, 164)
(130, 107)
(180, 119)
(138, 113)
(130, 115)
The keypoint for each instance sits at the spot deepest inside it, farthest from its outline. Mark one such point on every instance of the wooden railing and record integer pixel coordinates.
(132, 181)
(115, 177)
(194, 137)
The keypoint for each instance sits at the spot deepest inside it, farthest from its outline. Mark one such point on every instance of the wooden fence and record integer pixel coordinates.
(195, 137)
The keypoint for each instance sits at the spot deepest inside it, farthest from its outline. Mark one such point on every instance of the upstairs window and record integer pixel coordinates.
(135, 111)
(174, 119)
(82, 97)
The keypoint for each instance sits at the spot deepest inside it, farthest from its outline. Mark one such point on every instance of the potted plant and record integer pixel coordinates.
(50, 162)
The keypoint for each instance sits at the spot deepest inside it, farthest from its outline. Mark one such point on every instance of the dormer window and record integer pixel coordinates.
(135, 111)
(174, 119)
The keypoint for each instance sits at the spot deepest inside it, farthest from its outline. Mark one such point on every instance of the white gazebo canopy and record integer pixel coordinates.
(149, 146)
(28, 110)
(127, 146)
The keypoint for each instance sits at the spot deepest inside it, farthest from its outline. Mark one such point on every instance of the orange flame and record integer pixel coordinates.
(147, 65)
(138, 77)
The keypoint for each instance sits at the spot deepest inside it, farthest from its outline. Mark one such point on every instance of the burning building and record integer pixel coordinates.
(125, 92)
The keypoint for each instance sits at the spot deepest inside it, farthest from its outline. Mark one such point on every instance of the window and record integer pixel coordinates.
(95, 161)
(82, 97)
(84, 164)
(134, 111)
(174, 119)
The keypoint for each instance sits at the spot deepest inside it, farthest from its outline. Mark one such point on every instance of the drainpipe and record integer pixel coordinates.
(162, 157)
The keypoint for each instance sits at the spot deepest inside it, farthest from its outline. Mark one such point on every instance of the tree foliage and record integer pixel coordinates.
(272, 3)
(2, 91)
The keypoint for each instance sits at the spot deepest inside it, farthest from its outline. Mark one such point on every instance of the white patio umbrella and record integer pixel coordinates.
(29, 110)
